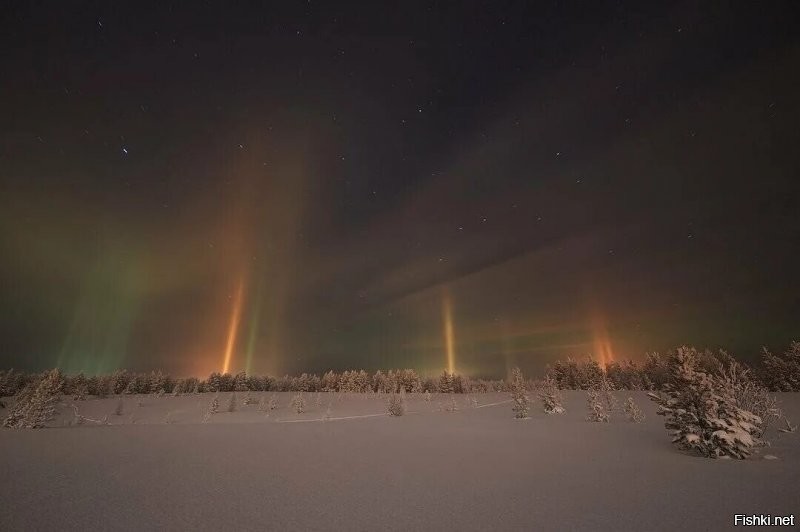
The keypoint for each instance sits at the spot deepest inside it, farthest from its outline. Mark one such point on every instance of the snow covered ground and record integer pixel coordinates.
(473, 469)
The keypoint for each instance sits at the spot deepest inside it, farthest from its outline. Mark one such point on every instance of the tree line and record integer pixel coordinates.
(775, 372)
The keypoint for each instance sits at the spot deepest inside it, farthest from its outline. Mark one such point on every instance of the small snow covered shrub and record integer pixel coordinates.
(213, 408)
(597, 410)
(272, 404)
(451, 405)
(427, 396)
(396, 406)
(249, 399)
(263, 405)
(118, 408)
(701, 411)
(632, 411)
(550, 396)
(299, 403)
(519, 395)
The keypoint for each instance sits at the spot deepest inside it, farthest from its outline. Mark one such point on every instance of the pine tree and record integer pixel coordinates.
(632, 411)
(597, 410)
(550, 396)
(606, 394)
(446, 382)
(701, 411)
(23, 399)
(427, 396)
(118, 408)
(240, 382)
(396, 405)
(176, 388)
(213, 408)
(41, 407)
(80, 391)
(249, 399)
(299, 403)
(272, 404)
(130, 388)
(519, 395)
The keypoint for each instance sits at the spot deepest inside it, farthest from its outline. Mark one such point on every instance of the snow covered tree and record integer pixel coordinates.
(118, 408)
(396, 405)
(701, 411)
(299, 403)
(214, 382)
(240, 383)
(597, 410)
(250, 399)
(632, 411)
(41, 406)
(232, 402)
(80, 389)
(18, 411)
(750, 394)
(446, 382)
(272, 404)
(550, 396)
(213, 408)
(176, 388)
(607, 395)
(158, 383)
(427, 396)
(519, 395)
(330, 382)
(782, 372)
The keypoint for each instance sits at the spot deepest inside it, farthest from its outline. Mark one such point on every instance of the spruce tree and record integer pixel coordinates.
(702, 413)
(550, 396)
(597, 410)
(213, 408)
(80, 391)
(396, 405)
(41, 407)
(519, 395)
(17, 414)
(299, 403)
(632, 411)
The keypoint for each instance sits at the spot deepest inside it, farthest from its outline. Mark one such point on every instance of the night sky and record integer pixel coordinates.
(205, 186)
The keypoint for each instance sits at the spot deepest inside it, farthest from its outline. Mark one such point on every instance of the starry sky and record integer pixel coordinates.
(314, 185)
